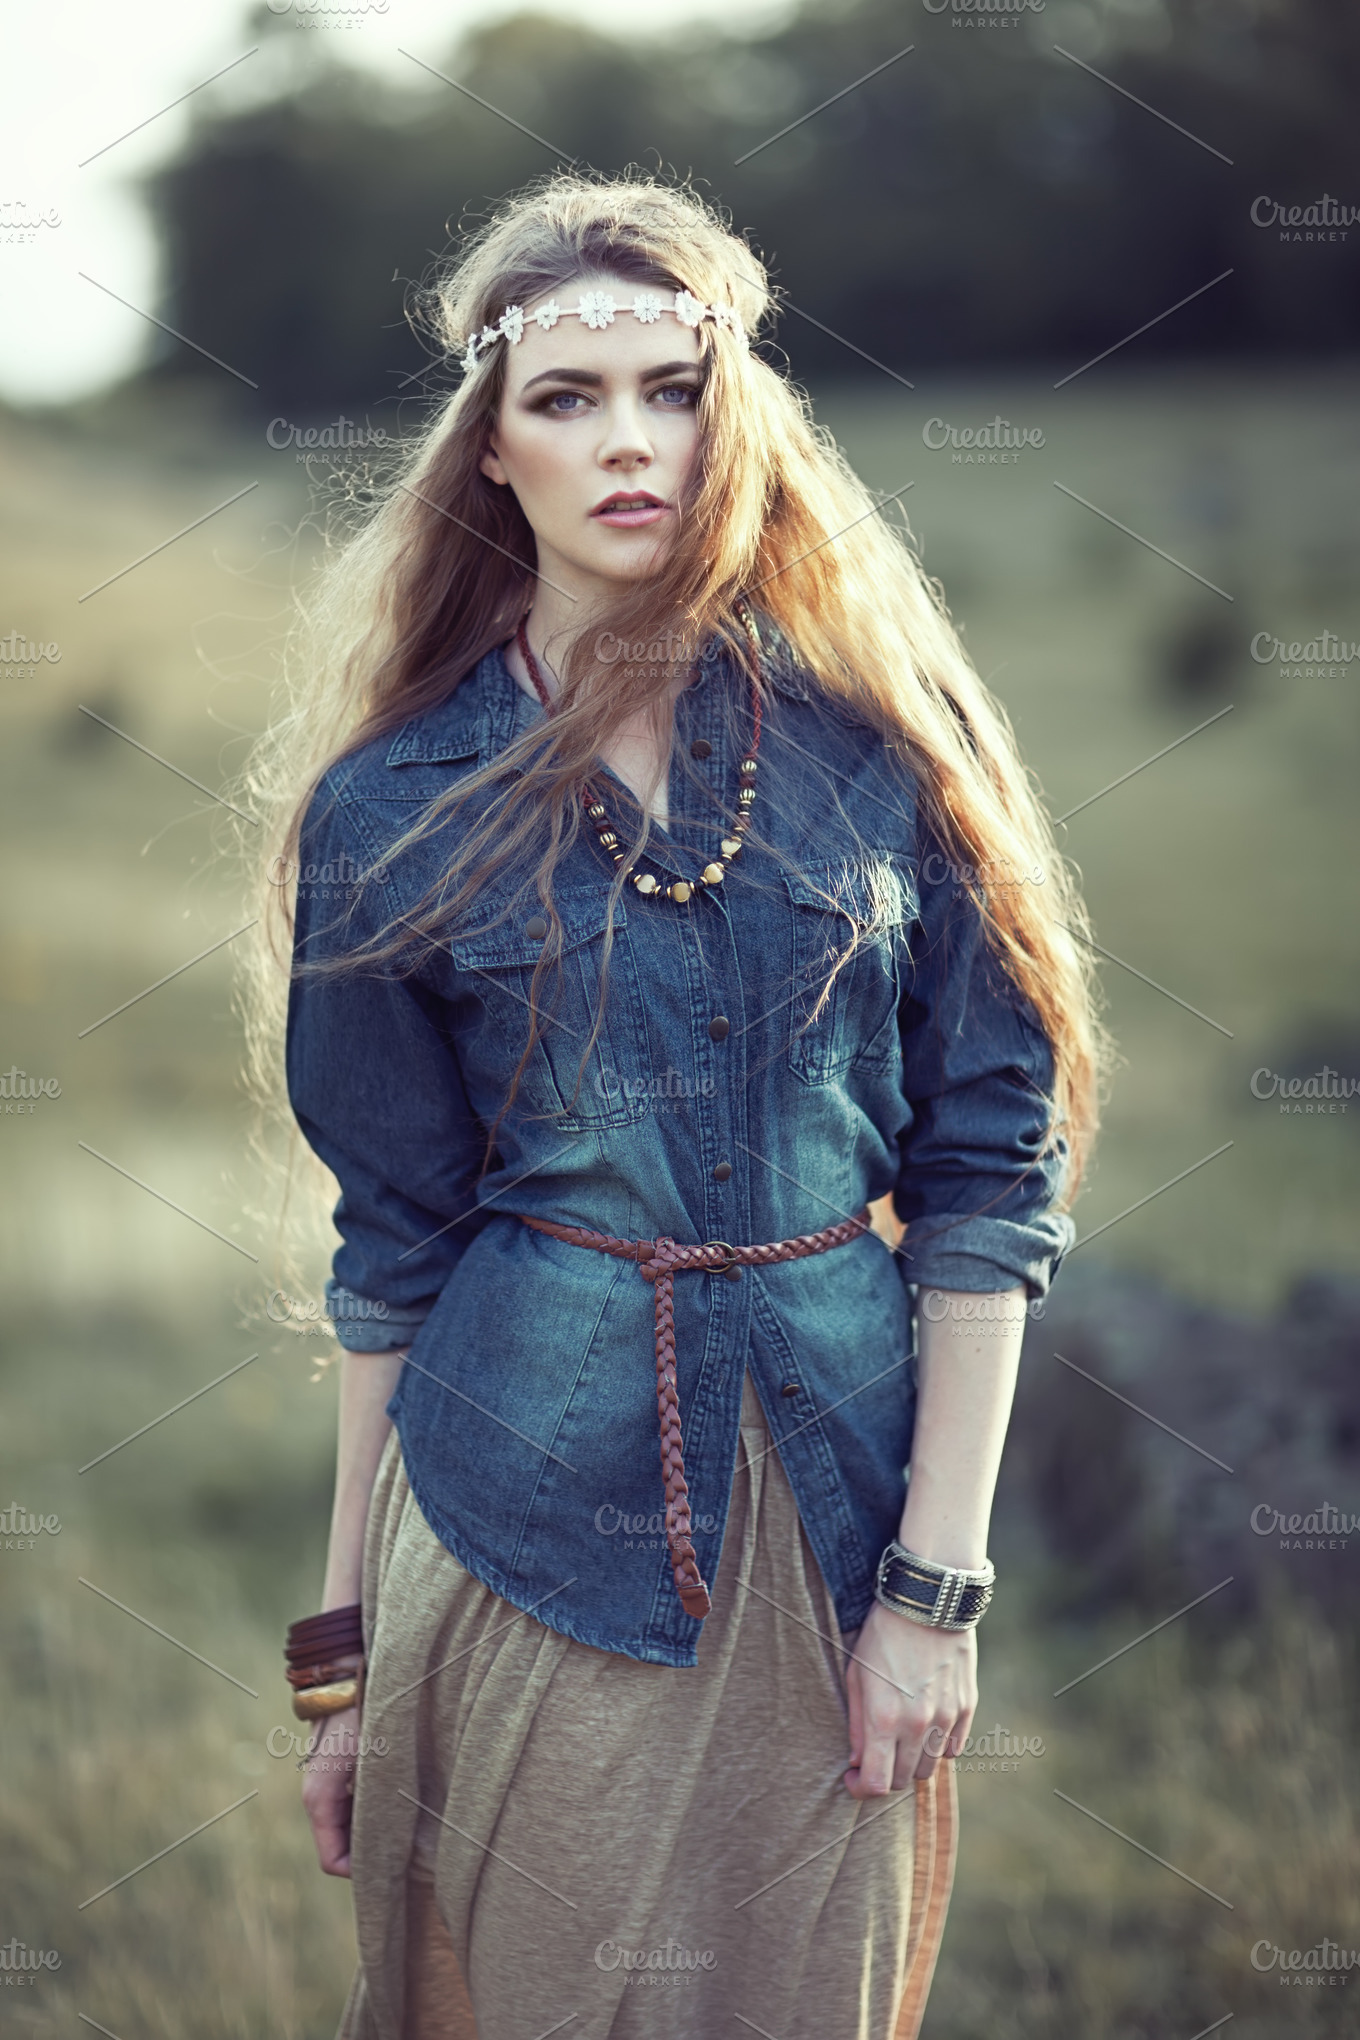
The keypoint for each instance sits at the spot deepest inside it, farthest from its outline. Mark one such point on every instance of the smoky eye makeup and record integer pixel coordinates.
(567, 400)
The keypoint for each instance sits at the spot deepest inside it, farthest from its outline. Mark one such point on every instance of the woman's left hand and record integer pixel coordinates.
(912, 1692)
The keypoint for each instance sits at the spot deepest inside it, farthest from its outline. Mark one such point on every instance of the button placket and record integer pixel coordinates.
(701, 733)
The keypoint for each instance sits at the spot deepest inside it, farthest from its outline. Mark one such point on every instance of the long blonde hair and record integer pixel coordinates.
(440, 568)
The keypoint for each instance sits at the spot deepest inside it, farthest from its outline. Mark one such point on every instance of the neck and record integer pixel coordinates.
(552, 625)
(553, 621)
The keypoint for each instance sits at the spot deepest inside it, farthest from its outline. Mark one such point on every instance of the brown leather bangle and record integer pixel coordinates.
(319, 1639)
(312, 1629)
(300, 1677)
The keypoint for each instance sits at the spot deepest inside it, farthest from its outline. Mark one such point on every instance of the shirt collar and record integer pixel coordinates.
(489, 709)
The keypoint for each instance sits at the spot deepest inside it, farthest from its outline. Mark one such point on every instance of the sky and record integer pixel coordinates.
(90, 109)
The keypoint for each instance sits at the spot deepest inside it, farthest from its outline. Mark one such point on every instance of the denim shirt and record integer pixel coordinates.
(527, 1408)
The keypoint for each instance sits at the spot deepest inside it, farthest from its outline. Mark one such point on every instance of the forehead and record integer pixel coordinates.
(627, 347)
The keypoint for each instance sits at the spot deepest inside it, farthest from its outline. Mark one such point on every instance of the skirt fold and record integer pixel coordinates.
(549, 1832)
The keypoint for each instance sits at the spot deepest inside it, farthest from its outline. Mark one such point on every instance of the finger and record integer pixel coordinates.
(872, 1777)
(961, 1730)
(912, 1751)
(916, 1746)
(854, 1694)
(934, 1744)
(332, 1845)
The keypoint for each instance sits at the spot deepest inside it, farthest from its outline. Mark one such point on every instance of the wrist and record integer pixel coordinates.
(325, 1660)
(962, 1545)
(939, 1595)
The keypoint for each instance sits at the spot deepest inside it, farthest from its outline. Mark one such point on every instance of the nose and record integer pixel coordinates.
(625, 445)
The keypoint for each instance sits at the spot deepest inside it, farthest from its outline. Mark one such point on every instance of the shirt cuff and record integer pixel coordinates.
(986, 1254)
(364, 1326)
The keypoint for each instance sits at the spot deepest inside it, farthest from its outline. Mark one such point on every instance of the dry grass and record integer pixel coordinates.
(1231, 1758)
(1225, 873)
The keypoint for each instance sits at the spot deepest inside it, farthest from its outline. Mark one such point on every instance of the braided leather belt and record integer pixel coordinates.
(660, 1260)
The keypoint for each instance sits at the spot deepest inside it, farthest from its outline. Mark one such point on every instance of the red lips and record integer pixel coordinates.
(622, 499)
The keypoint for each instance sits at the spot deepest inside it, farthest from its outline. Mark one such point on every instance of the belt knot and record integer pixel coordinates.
(658, 1261)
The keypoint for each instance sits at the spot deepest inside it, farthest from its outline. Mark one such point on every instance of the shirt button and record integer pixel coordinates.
(718, 1027)
(722, 1172)
(700, 748)
(536, 928)
(791, 1388)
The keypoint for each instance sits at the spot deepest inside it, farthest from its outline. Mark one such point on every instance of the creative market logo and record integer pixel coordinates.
(665, 1090)
(328, 13)
(996, 1749)
(21, 658)
(1325, 1091)
(644, 1533)
(1325, 219)
(324, 442)
(1324, 1963)
(20, 1529)
(997, 444)
(20, 1093)
(1323, 1529)
(984, 13)
(653, 658)
(20, 1964)
(670, 1964)
(21, 223)
(1321, 657)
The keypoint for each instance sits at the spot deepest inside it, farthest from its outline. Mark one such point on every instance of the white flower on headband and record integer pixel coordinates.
(596, 309)
(689, 310)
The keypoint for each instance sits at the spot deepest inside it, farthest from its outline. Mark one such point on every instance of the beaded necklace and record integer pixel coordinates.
(647, 882)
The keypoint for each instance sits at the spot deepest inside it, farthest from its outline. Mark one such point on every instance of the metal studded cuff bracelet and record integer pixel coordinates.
(941, 1596)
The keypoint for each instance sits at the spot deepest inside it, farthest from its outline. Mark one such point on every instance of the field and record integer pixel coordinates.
(1225, 873)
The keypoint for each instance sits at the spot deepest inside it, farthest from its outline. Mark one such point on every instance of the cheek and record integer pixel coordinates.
(542, 462)
(677, 435)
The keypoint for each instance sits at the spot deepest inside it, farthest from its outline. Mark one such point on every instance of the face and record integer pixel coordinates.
(597, 436)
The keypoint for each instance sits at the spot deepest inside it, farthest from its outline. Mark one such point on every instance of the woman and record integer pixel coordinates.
(669, 892)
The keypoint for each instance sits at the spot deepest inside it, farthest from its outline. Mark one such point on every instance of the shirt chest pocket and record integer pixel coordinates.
(849, 927)
(579, 1092)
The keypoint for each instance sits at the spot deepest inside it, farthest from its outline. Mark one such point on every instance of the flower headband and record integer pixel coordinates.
(596, 308)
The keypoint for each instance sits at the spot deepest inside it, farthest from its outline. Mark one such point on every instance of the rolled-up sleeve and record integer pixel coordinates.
(374, 1083)
(979, 1175)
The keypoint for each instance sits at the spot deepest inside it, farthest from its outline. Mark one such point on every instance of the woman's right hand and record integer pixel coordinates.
(328, 1787)
(367, 1381)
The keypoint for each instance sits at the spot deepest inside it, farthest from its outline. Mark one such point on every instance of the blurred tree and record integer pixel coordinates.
(982, 198)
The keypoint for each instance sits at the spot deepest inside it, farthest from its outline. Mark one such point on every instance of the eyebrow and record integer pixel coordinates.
(594, 378)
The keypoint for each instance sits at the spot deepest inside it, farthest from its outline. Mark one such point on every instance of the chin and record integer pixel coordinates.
(628, 564)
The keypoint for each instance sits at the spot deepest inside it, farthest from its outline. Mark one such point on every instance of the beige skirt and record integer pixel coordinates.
(549, 1836)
